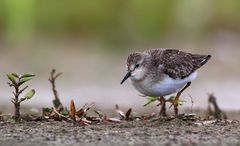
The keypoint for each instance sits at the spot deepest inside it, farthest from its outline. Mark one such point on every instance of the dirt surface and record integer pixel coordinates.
(136, 132)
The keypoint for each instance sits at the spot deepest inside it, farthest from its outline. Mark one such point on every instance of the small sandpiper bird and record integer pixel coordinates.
(160, 72)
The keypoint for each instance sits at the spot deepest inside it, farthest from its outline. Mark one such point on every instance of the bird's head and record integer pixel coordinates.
(136, 66)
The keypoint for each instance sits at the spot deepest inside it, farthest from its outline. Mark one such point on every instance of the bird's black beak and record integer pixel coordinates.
(126, 77)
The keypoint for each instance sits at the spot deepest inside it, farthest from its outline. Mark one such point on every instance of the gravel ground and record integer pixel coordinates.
(137, 132)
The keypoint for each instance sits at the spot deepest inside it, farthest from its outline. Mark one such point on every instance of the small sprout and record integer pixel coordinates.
(16, 81)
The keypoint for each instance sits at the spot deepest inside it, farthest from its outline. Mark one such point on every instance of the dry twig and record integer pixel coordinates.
(59, 114)
(56, 102)
(216, 112)
(191, 102)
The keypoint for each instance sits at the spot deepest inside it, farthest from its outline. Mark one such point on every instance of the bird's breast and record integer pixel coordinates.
(163, 87)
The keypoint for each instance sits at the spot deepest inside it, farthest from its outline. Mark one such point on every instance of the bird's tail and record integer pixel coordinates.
(205, 60)
(201, 59)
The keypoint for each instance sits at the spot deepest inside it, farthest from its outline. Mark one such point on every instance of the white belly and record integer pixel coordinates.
(164, 87)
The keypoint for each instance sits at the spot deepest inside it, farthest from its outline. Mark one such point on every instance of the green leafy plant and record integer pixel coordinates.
(150, 100)
(171, 99)
(16, 81)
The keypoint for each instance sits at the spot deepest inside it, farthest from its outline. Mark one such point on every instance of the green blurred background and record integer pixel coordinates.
(89, 41)
(117, 23)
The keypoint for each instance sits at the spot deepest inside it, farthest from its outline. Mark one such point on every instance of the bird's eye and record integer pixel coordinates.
(137, 66)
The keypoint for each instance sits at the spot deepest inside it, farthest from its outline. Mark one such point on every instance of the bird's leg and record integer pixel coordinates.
(163, 107)
(176, 100)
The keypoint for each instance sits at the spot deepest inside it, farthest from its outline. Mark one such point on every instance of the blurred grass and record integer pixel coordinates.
(117, 23)
(19, 19)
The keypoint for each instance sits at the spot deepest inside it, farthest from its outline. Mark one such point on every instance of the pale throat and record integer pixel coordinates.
(138, 74)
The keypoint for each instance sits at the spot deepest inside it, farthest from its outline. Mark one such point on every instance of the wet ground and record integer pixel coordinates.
(137, 132)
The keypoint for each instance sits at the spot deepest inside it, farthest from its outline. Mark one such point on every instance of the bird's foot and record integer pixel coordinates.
(162, 112)
(174, 102)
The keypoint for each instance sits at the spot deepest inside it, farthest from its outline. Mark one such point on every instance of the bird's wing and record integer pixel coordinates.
(178, 64)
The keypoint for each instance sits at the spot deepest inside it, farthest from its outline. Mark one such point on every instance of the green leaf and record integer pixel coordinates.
(30, 94)
(15, 75)
(23, 81)
(27, 75)
(11, 78)
(181, 102)
(150, 100)
(22, 99)
(47, 110)
(65, 112)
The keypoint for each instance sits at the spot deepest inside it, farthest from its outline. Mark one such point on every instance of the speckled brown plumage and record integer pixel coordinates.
(176, 63)
(133, 58)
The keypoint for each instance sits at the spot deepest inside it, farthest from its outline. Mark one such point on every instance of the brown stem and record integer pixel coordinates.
(17, 111)
(217, 112)
(16, 103)
(56, 102)
(17, 91)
